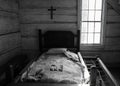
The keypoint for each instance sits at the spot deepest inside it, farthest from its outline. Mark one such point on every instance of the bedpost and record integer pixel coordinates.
(78, 40)
(93, 75)
(10, 74)
(40, 41)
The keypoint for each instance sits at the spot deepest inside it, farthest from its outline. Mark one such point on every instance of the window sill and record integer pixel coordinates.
(91, 47)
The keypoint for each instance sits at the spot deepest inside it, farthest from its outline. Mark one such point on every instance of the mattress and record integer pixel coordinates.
(56, 66)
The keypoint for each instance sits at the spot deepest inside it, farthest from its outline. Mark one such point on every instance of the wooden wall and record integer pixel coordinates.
(34, 15)
(112, 37)
(10, 38)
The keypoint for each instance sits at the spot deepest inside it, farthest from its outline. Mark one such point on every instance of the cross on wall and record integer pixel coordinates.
(51, 11)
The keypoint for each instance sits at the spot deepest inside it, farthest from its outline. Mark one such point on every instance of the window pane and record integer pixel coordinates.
(97, 38)
(99, 4)
(84, 4)
(91, 27)
(84, 26)
(84, 15)
(91, 21)
(91, 4)
(98, 16)
(84, 38)
(97, 26)
(90, 38)
(91, 15)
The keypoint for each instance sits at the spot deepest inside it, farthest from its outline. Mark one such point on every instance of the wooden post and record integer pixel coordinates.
(78, 40)
(40, 40)
(93, 75)
(9, 74)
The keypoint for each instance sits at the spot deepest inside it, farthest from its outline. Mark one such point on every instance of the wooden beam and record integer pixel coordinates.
(43, 11)
(8, 54)
(110, 76)
(9, 6)
(9, 41)
(46, 18)
(47, 22)
(115, 5)
(45, 3)
(9, 33)
(9, 50)
(8, 11)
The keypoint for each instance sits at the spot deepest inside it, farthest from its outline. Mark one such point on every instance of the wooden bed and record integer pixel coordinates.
(65, 39)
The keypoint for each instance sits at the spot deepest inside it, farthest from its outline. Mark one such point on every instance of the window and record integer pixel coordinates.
(91, 21)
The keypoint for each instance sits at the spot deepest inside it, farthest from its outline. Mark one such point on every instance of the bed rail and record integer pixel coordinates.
(81, 59)
(99, 72)
(86, 73)
(107, 72)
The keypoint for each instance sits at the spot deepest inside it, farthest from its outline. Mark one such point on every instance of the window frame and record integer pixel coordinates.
(102, 26)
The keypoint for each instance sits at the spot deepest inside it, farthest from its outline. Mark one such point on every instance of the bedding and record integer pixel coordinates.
(56, 66)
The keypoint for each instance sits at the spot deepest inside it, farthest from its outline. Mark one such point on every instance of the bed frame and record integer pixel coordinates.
(72, 42)
(60, 39)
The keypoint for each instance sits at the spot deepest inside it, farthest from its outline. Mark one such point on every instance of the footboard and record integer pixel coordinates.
(99, 73)
(106, 74)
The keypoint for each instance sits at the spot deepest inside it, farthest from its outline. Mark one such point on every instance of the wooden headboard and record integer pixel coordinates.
(59, 39)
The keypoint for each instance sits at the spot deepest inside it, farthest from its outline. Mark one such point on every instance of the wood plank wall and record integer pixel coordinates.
(112, 37)
(10, 38)
(34, 15)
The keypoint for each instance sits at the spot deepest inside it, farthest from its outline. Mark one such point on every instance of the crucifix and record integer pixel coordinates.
(51, 11)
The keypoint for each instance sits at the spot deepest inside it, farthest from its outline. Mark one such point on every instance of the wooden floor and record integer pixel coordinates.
(116, 73)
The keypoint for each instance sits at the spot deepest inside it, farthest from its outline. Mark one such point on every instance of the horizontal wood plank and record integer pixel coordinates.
(109, 57)
(8, 25)
(64, 3)
(113, 47)
(113, 19)
(9, 41)
(112, 41)
(34, 3)
(91, 54)
(112, 12)
(8, 15)
(47, 3)
(9, 54)
(50, 26)
(44, 11)
(113, 30)
(30, 43)
(30, 32)
(9, 5)
(43, 18)
(113, 26)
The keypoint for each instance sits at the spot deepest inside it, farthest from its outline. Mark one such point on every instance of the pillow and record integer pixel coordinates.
(72, 56)
(57, 50)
